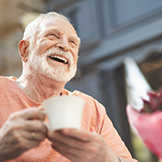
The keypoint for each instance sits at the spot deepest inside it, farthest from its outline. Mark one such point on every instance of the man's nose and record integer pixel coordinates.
(63, 44)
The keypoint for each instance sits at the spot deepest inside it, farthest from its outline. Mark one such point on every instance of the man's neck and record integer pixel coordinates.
(39, 88)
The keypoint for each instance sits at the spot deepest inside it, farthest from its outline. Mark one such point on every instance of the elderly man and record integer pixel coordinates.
(49, 52)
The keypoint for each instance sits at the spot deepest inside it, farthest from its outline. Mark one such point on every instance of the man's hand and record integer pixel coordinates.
(22, 131)
(81, 146)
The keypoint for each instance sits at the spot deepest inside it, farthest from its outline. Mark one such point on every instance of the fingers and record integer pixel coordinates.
(35, 125)
(24, 144)
(66, 151)
(29, 119)
(84, 142)
(57, 137)
(32, 136)
(29, 114)
(83, 135)
(30, 129)
(34, 113)
(15, 142)
(73, 137)
(18, 135)
(69, 147)
(79, 145)
(22, 131)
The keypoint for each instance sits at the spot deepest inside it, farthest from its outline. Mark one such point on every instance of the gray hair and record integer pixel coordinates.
(33, 26)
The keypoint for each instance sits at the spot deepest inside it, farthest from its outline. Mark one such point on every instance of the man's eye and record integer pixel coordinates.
(54, 35)
(73, 42)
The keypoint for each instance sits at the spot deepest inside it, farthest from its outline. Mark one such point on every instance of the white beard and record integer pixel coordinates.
(40, 64)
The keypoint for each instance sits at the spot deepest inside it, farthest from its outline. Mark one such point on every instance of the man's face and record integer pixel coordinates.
(55, 51)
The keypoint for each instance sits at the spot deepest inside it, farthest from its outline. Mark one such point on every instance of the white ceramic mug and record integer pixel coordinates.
(64, 111)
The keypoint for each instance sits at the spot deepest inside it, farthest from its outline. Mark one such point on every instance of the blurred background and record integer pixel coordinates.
(121, 43)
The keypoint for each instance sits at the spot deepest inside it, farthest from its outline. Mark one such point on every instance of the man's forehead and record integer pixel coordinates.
(55, 23)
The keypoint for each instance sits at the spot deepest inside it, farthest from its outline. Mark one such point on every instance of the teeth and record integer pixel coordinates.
(61, 58)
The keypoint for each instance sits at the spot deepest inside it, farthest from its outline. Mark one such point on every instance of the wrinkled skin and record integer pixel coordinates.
(81, 146)
(16, 133)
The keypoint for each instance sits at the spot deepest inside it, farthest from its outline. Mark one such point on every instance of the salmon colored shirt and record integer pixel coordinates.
(94, 119)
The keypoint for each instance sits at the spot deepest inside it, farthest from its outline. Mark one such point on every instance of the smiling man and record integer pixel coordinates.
(57, 52)
(49, 52)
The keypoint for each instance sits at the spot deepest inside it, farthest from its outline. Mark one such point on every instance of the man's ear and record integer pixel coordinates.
(24, 50)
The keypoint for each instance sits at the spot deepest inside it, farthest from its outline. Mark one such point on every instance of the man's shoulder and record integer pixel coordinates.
(89, 99)
(80, 94)
(5, 80)
(91, 102)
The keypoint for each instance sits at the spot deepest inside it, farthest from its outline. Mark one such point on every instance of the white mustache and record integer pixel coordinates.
(55, 50)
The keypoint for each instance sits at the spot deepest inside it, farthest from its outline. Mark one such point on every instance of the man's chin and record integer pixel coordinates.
(64, 78)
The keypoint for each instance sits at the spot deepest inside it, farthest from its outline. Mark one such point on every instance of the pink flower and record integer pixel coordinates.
(148, 121)
(154, 103)
(149, 127)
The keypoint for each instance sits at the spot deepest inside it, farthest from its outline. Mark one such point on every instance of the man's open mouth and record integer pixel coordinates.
(59, 59)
